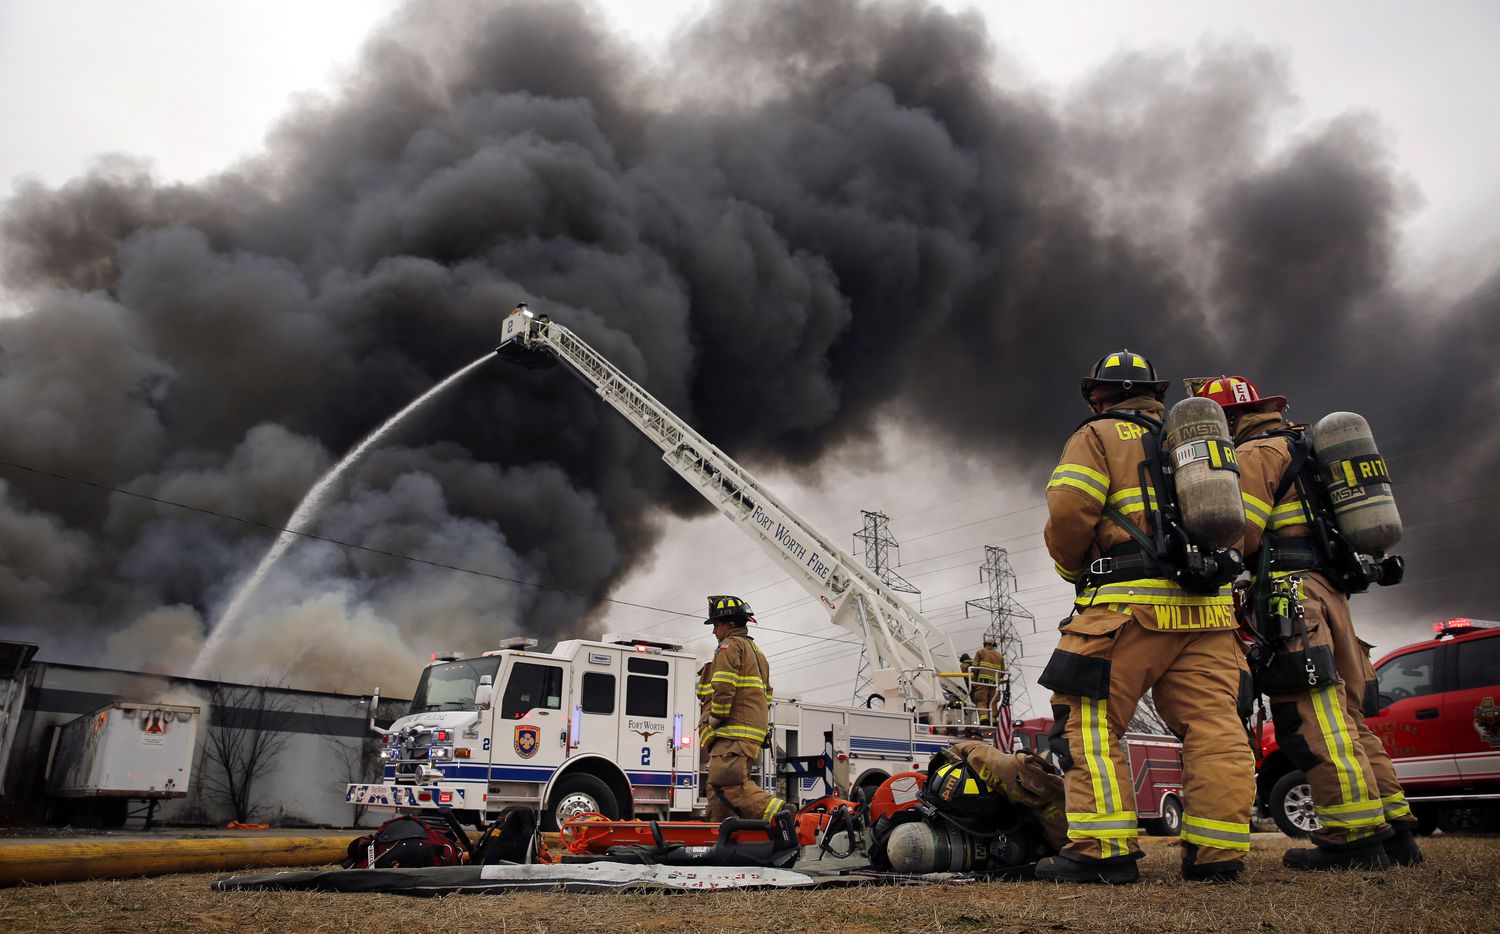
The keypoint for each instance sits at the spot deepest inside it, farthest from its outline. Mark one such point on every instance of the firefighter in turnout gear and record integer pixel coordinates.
(985, 674)
(1320, 681)
(737, 722)
(1134, 629)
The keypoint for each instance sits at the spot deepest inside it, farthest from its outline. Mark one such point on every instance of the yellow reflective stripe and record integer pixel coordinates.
(1330, 714)
(1067, 575)
(1288, 514)
(1395, 805)
(1155, 591)
(1257, 511)
(1116, 825)
(1061, 479)
(1223, 834)
(739, 681)
(772, 806)
(1132, 499)
(720, 710)
(1094, 723)
(740, 731)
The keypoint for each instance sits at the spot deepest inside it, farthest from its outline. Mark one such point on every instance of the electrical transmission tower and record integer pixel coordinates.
(878, 542)
(1005, 614)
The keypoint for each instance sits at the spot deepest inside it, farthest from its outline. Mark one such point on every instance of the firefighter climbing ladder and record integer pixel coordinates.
(1005, 611)
(905, 649)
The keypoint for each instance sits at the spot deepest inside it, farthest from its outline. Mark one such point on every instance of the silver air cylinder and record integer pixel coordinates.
(1206, 475)
(1357, 481)
(918, 847)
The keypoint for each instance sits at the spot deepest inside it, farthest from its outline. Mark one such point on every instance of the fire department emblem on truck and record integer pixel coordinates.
(528, 740)
(1487, 721)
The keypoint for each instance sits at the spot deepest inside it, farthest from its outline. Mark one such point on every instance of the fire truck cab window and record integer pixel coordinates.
(1479, 663)
(645, 696)
(529, 687)
(1406, 676)
(598, 693)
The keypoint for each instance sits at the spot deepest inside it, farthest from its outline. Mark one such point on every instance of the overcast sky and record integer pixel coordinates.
(194, 87)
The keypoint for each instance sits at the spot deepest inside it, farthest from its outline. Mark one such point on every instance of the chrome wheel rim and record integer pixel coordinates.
(1300, 810)
(574, 804)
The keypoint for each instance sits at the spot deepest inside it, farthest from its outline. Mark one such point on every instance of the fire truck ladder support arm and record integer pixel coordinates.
(897, 639)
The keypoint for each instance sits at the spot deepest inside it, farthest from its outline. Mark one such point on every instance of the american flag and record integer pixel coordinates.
(1005, 733)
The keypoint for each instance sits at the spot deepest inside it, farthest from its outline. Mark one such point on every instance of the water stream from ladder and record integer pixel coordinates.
(302, 519)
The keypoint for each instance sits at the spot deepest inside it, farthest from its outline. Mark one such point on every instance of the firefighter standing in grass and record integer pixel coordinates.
(737, 724)
(984, 676)
(1366, 821)
(1132, 629)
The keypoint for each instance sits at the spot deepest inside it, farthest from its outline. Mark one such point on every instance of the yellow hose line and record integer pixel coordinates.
(111, 859)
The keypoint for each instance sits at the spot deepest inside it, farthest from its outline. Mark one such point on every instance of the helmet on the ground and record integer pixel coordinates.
(726, 609)
(1123, 369)
(1235, 393)
(956, 780)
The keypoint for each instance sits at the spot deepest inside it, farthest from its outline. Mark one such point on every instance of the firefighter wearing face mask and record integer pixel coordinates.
(738, 715)
(1319, 714)
(1134, 628)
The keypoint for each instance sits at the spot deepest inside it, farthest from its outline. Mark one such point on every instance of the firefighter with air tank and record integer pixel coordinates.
(737, 722)
(985, 672)
(1319, 507)
(1154, 610)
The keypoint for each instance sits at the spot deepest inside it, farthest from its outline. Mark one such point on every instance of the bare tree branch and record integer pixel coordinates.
(246, 735)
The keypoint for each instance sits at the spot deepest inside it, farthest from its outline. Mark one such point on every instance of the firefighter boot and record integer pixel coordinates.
(1194, 871)
(1117, 870)
(1402, 850)
(1364, 856)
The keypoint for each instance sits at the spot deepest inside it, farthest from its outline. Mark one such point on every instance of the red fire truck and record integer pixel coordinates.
(1439, 719)
(1155, 771)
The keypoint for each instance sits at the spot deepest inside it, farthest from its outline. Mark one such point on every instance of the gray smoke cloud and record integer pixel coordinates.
(807, 216)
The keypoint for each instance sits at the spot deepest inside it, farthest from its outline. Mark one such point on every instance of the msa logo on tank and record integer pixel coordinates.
(1487, 721)
(528, 741)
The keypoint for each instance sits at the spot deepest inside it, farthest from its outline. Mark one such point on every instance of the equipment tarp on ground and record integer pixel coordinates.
(585, 877)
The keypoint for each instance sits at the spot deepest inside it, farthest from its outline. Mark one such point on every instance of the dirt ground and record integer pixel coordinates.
(1456, 890)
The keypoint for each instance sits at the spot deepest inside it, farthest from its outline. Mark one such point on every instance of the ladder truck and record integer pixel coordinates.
(608, 725)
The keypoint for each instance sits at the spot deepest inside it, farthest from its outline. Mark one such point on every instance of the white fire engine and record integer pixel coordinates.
(610, 725)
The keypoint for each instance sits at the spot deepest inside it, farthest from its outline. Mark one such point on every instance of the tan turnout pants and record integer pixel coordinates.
(1354, 787)
(1105, 661)
(731, 793)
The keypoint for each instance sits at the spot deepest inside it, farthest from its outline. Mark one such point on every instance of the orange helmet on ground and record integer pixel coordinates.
(1236, 392)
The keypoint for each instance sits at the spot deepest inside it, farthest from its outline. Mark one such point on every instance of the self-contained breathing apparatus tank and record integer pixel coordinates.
(1344, 486)
(958, 823)
(1197, 516)
(1205, 473)
(1355, 476)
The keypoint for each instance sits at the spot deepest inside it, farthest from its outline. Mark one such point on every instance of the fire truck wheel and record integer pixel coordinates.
(1291, 805)
(578, 793)
(1474, 818)
(1170, 822)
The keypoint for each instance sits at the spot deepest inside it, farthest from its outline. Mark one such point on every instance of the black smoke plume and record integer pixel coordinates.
(807, 216)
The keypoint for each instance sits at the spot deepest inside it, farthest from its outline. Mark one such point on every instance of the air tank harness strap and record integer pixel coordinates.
(1127, 561)
(1291, 554)
(1219, 454)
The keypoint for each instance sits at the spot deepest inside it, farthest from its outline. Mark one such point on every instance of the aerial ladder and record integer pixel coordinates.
(898, 641)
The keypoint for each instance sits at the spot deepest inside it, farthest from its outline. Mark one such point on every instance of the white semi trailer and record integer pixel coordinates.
(124, 751)
(609, 725)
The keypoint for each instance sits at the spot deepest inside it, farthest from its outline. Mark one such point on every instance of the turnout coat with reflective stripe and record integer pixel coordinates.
(740, 689)
(1100, 466)
(1263, 464)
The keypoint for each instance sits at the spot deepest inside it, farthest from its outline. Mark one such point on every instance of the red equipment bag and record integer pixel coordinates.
(409, 842)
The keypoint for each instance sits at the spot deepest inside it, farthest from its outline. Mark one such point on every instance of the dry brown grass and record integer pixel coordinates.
(1457, 890)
